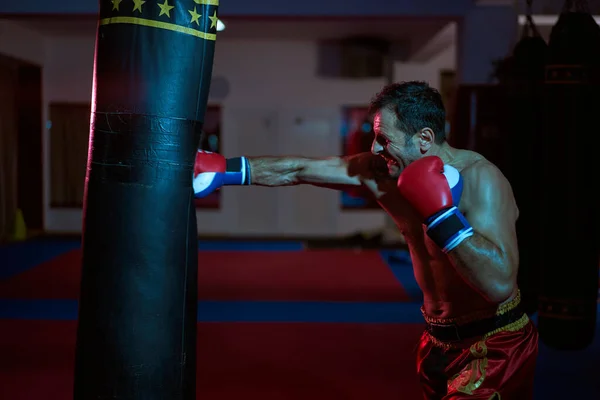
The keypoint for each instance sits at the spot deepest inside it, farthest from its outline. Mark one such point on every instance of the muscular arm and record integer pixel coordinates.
(332, 172)
(489, 259)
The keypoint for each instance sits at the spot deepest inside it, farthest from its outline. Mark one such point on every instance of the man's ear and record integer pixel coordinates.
(425, 138)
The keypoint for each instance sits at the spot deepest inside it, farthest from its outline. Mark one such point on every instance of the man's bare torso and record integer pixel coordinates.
(446, 294)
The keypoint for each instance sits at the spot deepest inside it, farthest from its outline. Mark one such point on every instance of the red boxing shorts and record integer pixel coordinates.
(480, 356)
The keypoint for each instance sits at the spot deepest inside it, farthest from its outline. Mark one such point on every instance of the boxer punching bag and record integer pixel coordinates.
(136, 337)
(569, 170)
(522, 84)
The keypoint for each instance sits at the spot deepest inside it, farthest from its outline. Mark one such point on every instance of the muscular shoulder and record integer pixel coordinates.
(481, 171)
(485, 184)
(474, 167)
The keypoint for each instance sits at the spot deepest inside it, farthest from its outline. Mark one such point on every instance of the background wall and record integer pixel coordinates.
(22, 43)
(276, 105)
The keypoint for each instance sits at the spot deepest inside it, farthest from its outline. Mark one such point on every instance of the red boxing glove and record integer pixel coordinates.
(425, 186)
(434, 189)
(212, 170)
(209, 162)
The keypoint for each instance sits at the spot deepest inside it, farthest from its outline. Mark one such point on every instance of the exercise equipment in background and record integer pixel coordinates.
(567, 163)
(521, 79)
(538, 125)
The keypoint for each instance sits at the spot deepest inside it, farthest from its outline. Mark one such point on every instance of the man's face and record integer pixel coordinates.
(394, 145)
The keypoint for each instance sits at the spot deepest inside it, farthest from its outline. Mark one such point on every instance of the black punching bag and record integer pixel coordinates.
(136, 337)
(522, 85)
(569, 171)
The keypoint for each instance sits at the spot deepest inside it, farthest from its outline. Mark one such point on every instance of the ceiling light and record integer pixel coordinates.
(220, 26)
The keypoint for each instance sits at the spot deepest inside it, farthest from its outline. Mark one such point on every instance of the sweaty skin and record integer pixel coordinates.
(477, 275)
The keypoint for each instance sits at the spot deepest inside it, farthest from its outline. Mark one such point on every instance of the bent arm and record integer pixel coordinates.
(488, 260)
(330, 172)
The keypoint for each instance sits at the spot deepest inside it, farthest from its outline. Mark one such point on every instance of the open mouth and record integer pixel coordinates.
(392, 165)
(391, 162)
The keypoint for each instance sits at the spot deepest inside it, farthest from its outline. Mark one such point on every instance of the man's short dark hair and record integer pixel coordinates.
(416, 104)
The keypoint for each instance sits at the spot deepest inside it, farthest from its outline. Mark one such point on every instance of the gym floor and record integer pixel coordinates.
(276, 321)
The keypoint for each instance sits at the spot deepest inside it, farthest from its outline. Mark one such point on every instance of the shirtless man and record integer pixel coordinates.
(457, 213)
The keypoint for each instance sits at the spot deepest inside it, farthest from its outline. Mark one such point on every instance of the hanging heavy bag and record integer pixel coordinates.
(522, 86)
(136, 336)
(568, 171)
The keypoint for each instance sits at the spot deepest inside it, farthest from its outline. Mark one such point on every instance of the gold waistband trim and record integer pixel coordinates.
(462, 320)
(512, 327)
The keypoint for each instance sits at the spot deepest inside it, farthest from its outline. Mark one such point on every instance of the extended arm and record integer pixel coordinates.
(212, 171)
(331, 172)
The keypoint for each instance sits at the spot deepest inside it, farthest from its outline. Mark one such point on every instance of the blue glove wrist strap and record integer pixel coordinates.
(237, 171)
(449, 228)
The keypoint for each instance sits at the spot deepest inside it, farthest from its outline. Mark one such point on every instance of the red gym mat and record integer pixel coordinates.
(237, 361)
(316, 275)
(57, 278)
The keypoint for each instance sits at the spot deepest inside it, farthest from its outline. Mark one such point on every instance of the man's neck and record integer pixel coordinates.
(443, 151)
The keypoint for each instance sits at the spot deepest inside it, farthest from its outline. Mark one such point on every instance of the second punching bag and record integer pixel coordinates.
(523, 88)
(568, 166)
(136, 337)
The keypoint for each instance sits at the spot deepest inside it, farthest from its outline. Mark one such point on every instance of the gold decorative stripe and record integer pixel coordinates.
(160, 25)
(510, 305)
(463, 320)
(512, 327)
(207, 2)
